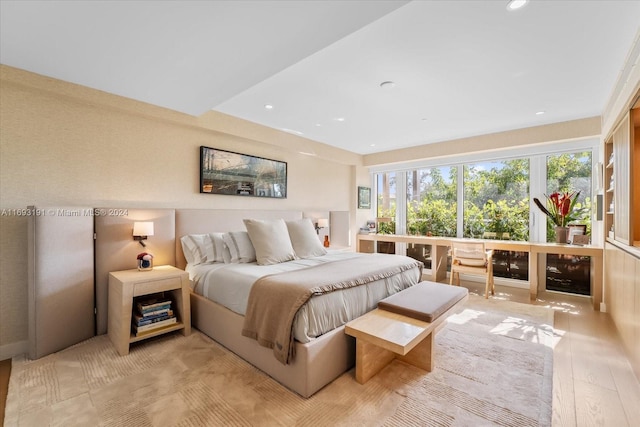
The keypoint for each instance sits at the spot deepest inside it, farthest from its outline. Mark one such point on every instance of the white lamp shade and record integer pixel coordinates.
(323, 222)
(143, 228)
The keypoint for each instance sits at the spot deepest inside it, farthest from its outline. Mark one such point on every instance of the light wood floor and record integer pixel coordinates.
(593, 381)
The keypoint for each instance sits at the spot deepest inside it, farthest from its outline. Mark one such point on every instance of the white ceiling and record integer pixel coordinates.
(460, 68)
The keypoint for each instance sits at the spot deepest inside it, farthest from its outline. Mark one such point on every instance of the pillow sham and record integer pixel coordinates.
(304, 239)
(271, 241)
(195, 247)
(240, 247)
(219, 252)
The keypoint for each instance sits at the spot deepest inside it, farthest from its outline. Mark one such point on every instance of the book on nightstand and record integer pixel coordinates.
(139, 320)
(153, 304)
(139, 330)
(152, 312)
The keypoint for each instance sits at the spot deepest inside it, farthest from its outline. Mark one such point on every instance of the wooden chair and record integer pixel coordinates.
(472, 258)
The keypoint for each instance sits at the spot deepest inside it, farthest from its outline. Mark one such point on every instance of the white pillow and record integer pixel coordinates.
(195, 248)
(271, 241)
(304, 239)
(240, 247)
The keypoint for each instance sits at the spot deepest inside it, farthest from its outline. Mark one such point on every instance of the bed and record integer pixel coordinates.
(223, 292)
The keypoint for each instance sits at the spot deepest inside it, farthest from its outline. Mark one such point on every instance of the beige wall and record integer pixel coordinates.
(63, 144)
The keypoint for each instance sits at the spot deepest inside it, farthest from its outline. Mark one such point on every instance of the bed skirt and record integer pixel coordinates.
(315, 365)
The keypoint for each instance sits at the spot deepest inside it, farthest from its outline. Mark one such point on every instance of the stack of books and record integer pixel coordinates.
(152, 313)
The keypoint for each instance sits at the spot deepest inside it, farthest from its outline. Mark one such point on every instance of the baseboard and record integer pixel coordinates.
(8, 351)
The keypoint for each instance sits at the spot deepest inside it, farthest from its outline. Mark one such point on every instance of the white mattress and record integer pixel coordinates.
(230, 284)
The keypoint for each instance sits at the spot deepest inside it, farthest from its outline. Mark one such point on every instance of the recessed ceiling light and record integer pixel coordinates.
(318, 125)
(372, 145)
(339, 119)
(516, 4)
(539, 113)
(387, 85)
(268, 107)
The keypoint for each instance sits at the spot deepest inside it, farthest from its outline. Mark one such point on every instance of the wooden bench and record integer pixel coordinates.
(382, 335)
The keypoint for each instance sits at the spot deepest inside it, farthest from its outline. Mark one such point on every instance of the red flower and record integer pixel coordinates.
(560, 207)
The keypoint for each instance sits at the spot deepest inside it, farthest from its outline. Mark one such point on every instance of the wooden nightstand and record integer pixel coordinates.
(127, 284)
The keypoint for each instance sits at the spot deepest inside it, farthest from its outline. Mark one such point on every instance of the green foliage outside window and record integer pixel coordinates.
(571, 172)
(496, 197)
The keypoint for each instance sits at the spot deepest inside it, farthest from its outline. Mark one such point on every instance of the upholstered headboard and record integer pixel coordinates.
(200, 221)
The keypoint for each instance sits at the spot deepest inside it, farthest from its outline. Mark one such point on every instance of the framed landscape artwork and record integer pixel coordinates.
(226, 172)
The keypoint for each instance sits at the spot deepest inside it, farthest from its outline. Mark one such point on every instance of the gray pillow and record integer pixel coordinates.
(304, 239)
(271, 241)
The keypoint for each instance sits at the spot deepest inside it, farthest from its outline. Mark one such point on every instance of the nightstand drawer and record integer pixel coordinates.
(159, 285)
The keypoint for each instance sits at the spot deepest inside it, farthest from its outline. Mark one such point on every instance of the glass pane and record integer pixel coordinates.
(496, 200)
(386, 210)
(496, 206)
(570, 173)
(432, 202)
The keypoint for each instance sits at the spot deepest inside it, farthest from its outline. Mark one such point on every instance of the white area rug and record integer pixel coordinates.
(493, 367)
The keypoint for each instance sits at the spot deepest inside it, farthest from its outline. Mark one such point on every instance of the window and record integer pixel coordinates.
(488, 195)
(386, 209)
(496, 206)
(570, 172)
(496, 200)
(432, 201)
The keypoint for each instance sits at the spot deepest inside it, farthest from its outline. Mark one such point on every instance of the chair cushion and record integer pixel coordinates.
(472, 262)
(425, 301)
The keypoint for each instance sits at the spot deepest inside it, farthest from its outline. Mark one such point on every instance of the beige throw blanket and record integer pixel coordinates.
(274, 300)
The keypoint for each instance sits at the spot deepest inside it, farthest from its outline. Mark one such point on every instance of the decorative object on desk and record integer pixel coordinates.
(371, 225)
(580, 239)
(225, 172)
(326, 241)
(364, 230)
(364, 198)
(561, 209)
(561, 234)
(145, 261)
(141, 230)
(575, 230)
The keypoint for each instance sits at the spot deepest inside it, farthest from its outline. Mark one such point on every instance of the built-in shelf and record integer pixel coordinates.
(622, 153)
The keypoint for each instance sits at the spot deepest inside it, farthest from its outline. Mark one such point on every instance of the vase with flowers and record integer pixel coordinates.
(561, 210)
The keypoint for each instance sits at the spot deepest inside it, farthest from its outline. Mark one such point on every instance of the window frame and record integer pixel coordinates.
(536, 153)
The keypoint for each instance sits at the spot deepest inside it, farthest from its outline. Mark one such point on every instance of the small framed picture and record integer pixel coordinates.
(576, 230)
(580, 239)
(364, 198)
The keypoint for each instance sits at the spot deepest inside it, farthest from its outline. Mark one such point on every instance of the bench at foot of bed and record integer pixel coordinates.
(403, 327)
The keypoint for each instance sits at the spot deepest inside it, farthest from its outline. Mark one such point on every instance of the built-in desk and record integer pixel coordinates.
(440, 250)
